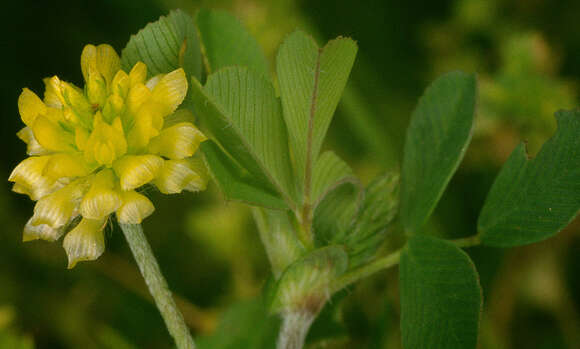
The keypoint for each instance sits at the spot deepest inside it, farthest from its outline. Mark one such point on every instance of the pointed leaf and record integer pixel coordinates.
(440, 296)
(532, 200)
(226, 42)
(165, 45)
(241, 111)
(329, 172)
(237, 184)
(436, 141)
(311, 81)
(335, 214)
(378, 210)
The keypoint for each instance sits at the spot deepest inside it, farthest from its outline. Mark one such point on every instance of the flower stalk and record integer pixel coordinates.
(157, 285)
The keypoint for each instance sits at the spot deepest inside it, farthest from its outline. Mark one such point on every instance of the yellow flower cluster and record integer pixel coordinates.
(91, 149)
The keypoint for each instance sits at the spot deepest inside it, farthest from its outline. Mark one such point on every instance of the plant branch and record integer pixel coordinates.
(366, 270)
(387, 262)
(467, 242)
(157, 285)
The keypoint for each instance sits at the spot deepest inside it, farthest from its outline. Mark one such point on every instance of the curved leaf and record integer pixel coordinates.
(436, 141)
(532, 200)
(440, 295)
(165, 45)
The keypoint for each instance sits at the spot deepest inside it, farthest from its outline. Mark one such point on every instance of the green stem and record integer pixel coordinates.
(366, 270)
(387, 262)
(157, 285)
(467, 242)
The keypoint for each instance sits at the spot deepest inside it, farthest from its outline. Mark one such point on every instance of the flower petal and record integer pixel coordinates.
(135, 208)
(41, 231)
(32, 145)
(137, 96)
(106, 143)
(108, 61)
(148, 121)
(138, 74)
(51, 135)
(88, 60)
(30, 106)
(52, 95)
(170, 90)
(67, 165)
(102, 59)
(120, 84)
(102, 199)
(59, 208)
(29, 179)
(86, 242)
(137, 170)
(178, 175)
(178, 141)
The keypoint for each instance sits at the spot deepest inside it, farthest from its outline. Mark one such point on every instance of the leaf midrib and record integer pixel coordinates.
(308, 165)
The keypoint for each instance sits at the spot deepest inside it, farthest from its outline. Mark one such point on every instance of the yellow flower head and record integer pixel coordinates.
(91, 149)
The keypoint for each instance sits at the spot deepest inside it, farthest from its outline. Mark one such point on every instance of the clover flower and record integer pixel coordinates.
(91, 149)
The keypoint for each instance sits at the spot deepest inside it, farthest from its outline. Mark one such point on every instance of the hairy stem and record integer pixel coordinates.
(157, 285)
(295, 326)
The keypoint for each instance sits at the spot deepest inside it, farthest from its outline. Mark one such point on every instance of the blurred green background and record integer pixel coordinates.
(527, 56)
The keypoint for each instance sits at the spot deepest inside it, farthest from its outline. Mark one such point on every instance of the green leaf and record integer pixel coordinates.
(378, 210)
(245, 324)
(165, 45)
(279, 238)
(304, 285)
(242, 112)
(311, 81)
(329, 173)
(226, 42)
(440, 295)
(437, 138)
(532, 200)
(336, 213)
(236, 183)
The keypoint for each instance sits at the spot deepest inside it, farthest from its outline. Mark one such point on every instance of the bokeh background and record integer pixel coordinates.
(527, 57)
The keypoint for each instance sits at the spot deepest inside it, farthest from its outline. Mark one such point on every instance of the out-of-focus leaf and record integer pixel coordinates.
(378, 210)
(437, 137)
(245, 324)
(304, 285)
(279, 238)
(440, 295)
(237, 184)
(226, 42)
(242, 113)
(311, 81)
(329, 172)
(165, 45)
(532, 200)
(12, 340)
